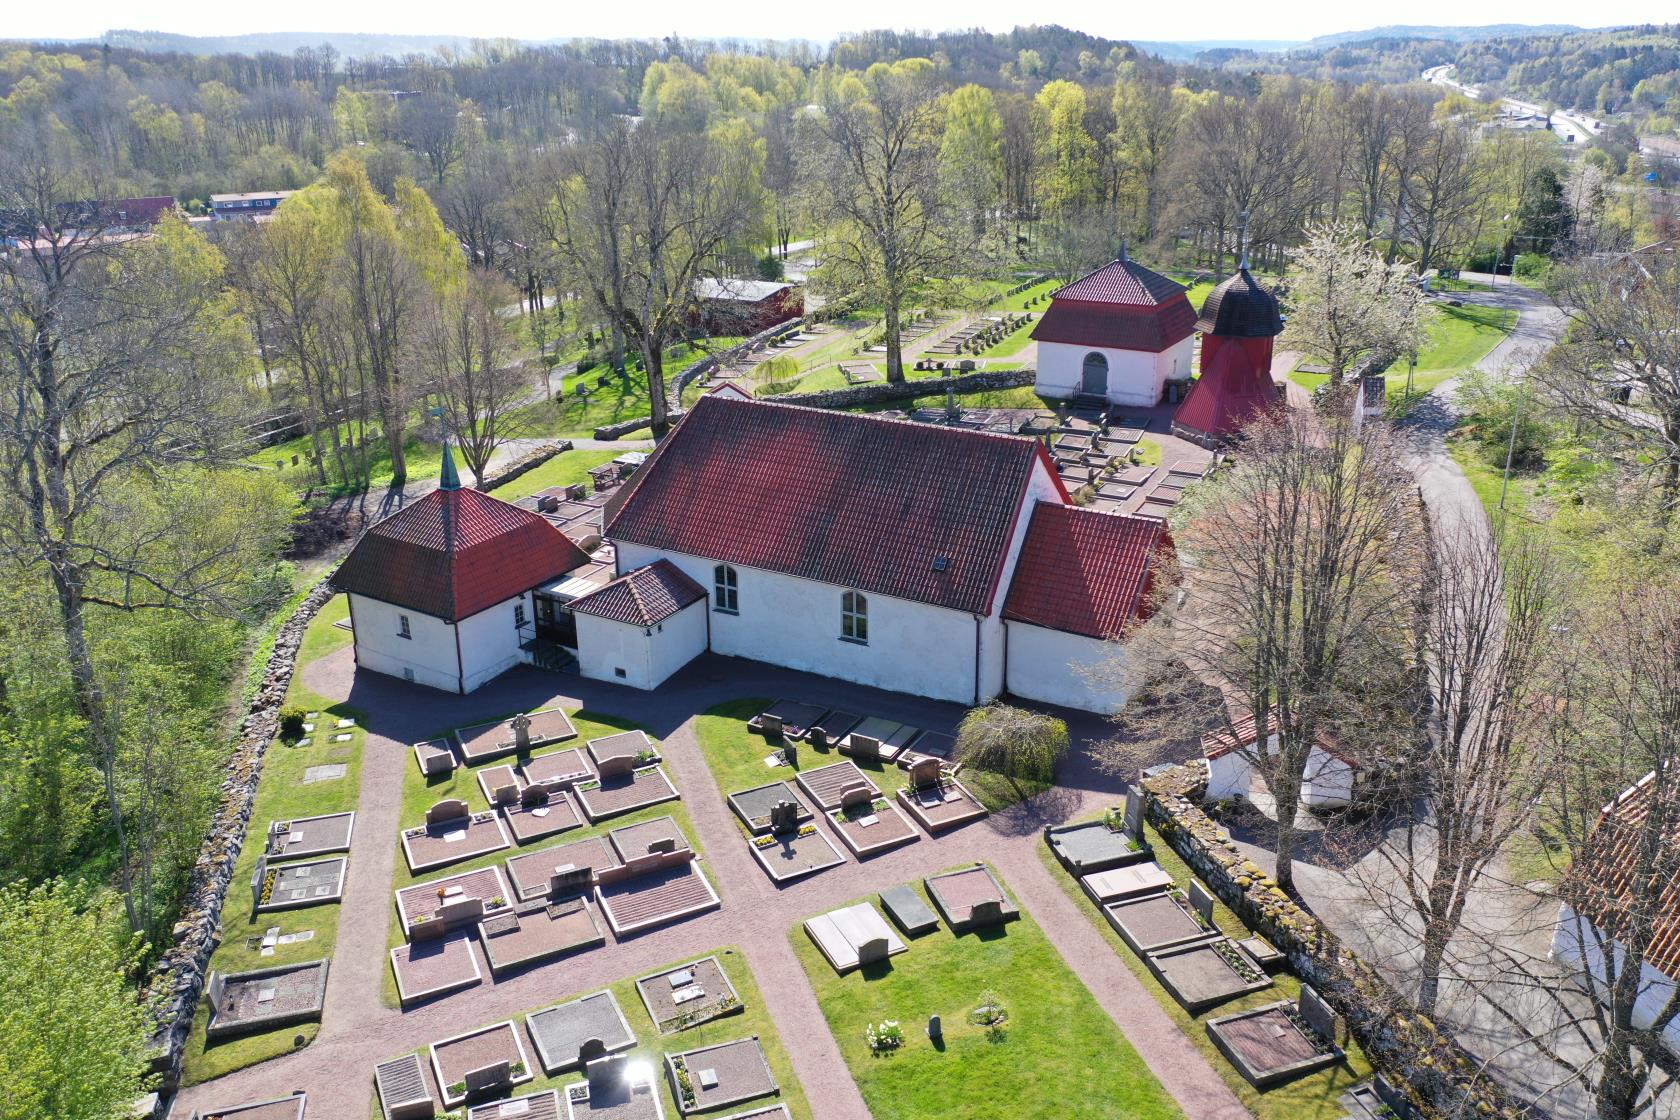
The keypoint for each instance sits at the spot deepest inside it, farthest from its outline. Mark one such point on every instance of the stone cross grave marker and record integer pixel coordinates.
(1134, 812)
(784, 816)
(1201, 901)
(1319, 1015)
(521, 725)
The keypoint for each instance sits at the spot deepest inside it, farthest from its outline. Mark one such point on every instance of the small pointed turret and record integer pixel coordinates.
(449, 479)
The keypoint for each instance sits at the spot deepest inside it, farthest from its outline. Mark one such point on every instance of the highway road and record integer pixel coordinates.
(1570, 126)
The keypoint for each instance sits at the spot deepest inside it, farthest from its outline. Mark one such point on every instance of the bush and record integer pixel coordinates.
(1490, 407)
(291, 724)
(770, 267)
(1012, 742)
(1531, 266)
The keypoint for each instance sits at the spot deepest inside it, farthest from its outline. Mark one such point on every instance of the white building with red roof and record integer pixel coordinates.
(641, 627)
(1330, 780)
(440, 591)
(1117, 335)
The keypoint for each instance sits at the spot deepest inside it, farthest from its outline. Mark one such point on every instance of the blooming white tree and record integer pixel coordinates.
(1346, 304)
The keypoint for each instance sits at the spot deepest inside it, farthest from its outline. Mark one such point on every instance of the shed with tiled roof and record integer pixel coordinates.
(1117, 336)
(1331, 779)
(641, 627)
(440, 590)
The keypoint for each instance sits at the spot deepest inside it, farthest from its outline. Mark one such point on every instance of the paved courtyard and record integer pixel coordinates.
(358, 1030)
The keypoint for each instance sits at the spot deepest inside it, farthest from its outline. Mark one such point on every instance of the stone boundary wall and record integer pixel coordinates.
(877, 393)
(1441, 1078)
(675, 386)
(177, 981)
(526, 463)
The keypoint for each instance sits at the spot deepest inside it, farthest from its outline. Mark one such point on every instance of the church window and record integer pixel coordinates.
(854, 618)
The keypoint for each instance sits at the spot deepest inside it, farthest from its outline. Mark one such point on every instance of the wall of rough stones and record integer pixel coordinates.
(176, 983)
(1443, 1080)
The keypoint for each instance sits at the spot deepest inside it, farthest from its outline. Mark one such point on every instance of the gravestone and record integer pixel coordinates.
(605, 1075)
(257, 877)
(1319, 1015)
(1201, 901)
(457, 910)
(925, 773)
(987, 911)
(865, 746)
(507, 794)
(616, 766)
(936, 1029)
(1396, 1100)
(662, 846)
(521, 725)
(534, 796)
(445, 811)
(484, 1079)
(790, 754)
(784, 816)
(590, 1049)
(875, 949)
(1134, 812)
(771, 726)
(570, 879)
(817, 737)
(856, 796)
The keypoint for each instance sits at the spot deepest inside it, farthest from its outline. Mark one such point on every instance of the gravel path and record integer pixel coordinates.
(358, 1030)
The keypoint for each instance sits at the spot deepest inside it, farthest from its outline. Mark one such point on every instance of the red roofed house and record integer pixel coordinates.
(1599, 907)
(1239, 320)
(440, 590)
(1119, 335)
(914, 557)
(641, 627)
(1332, 775)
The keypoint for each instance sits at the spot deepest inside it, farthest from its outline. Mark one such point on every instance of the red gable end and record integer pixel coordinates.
(454, 553)
(1120, 306)
(1085, 571)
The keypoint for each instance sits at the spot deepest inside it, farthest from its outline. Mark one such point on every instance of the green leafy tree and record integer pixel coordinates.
(1013, 742)
(971, 152)
(1068, 178)
(72, 1036)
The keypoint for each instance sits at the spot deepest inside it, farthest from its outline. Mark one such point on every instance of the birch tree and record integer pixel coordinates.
(1346, 303)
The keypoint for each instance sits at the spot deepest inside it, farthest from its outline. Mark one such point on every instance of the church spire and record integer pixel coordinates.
(1242, 241)
(449, 480)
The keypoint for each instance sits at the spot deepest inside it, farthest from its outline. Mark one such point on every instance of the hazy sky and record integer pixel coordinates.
(1207, 19)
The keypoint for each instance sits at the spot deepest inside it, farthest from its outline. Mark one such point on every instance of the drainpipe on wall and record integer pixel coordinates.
(460, 666)
(1005, 622)
(978, 619)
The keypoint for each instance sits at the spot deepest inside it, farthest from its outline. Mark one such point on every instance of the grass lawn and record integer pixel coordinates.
(1457, 338)
(1059, 1054)
(1020, 300)
(565, 469)
(1013, 344)
(281, 795)
(736, 758)
(420, 793)
(651, 1047)
(1310, 1098)
(1457, 285)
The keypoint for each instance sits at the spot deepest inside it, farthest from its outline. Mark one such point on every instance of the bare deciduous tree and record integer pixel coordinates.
(478, 367)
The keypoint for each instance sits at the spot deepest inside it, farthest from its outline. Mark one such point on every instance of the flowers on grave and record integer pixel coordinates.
(685, 1087)
(883, 1036)
(807, 829)
(496, 900)
(441, 892)
(644, 757)
(268, 885)
(989, 1012)
(517, 1069)
(1239, 964)
(763, 841)
(459, 1089)
(1321, 1045)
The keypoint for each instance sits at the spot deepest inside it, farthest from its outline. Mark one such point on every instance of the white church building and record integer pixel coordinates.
(919, 558)
(1118, 335)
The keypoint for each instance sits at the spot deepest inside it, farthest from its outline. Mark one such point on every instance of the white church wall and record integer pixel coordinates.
(1575, 944)
(428, 653)
(490, 641)
(1041, 487)
(614, 651)
(1135, 377)
(1072, 670)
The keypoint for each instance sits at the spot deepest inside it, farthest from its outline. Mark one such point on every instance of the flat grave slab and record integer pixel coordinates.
(753, 806)
(970, 898)
(1205, 974)
(1157, 921)
(615, 795)
(831, 728)
(310, 836)
(623, 1101)
(929, 744)
(653, 900)
(767, 1112)
(538, 931)
(539, 815)
(438, 844)
(725, 1074)
(531, 872)
(484, 741)
(1263, 953)
(450, 900)
(795, 717)
(878, 739)
(825, 784)
(275, 1108)
(660, 836)
(1126, 882)
(434, 966)
(293, 886)
(1271, 1045)
(786, 856)
(326, 772)
(872, 826)
(907, 909)
(688, 995)
(853, 936)
(633, 745)
(500, 784)
(940, 803)
(532, 1106)
(558, 769)
(403, 1092)
(265, 998)
(484, 1061)
(573, 1034)
(1093, 846)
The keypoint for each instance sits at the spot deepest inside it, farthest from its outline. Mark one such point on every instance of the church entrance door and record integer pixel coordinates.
(1093, 378)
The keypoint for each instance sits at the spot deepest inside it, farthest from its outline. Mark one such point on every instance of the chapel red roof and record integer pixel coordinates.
(456, 552)
(1607, 879)
(1218, 744)
(916, 511)
(1085, 571)
(1235, 387)
(644, 597)
(1121, 306)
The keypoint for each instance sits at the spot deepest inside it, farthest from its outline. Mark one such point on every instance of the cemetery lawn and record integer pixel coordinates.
(282, 795)
(565, 469)
(1457, 338)
(1059, 1054)
(421, 793)
(651, 1046)
(1310, 1098)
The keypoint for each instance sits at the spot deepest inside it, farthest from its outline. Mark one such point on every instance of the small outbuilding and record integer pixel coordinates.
(641, 627)
(1332, 778)
(1239, 321)
(731, 306)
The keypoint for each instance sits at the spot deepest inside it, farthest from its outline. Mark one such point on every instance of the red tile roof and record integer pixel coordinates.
(916, 511)
(646, 596)
(1117, 327)
(454, 553)
(1614, 874)
(1122, 281)
(1085, 571)
(1218, 744)
(1236, 386)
